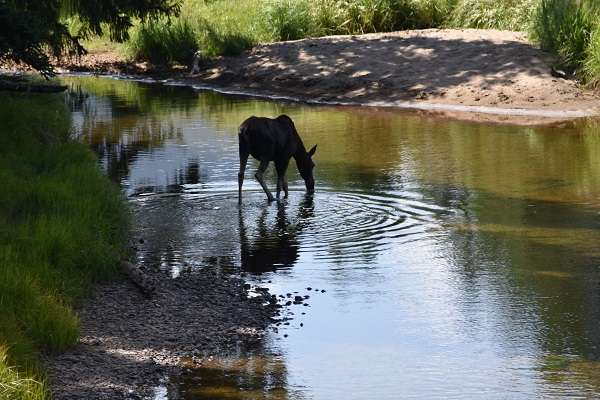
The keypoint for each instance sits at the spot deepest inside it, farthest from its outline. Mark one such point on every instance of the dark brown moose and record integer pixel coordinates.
(276, 140)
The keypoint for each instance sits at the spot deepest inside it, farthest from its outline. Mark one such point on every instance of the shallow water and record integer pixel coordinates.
(452, 260)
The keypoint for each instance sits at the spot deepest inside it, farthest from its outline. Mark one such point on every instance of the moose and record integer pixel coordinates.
(277, 140)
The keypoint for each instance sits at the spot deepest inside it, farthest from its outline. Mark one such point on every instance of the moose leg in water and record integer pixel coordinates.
(281, 167)
(243, 161)
(259, 177)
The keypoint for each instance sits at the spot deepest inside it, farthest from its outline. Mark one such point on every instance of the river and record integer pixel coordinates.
(442, 259)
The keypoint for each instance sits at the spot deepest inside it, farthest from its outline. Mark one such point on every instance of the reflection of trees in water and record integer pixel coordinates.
(119, 129)
(276, 246)
(519, 234)
(521, 255)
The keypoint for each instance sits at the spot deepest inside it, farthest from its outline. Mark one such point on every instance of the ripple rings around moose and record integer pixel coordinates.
(333, 225)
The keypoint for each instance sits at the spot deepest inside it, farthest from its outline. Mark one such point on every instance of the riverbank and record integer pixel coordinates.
(130, 344)
(481, 75)
(63, 227)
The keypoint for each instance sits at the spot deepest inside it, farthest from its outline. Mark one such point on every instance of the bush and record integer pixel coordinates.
(163, 42)
(565, 28)
(512, 15)
(288, 19)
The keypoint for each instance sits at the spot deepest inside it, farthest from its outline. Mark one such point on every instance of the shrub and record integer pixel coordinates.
(565, 28)
(491, 14)
(163, 42)
(289, 19)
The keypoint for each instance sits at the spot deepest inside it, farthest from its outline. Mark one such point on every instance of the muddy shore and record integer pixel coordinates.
(131, 344)
(481, 75)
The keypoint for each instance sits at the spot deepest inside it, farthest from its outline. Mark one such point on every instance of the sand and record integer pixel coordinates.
(489, 75)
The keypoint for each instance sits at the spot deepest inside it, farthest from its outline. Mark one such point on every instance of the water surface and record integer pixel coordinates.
(452, 260)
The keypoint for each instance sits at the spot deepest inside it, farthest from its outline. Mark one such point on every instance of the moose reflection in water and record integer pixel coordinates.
(275, 140)
(275, 246)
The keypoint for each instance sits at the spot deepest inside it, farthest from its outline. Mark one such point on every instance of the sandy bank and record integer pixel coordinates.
(483, 75)
(491, 75)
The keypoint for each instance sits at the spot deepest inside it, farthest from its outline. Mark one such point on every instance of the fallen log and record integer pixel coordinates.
(30, 88)
(138, 277)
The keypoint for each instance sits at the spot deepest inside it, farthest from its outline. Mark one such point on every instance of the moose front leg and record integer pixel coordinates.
(259, 177)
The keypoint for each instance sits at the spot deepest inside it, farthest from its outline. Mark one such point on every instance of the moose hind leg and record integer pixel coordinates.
(243, 161)
(259, 177)
(279, 185)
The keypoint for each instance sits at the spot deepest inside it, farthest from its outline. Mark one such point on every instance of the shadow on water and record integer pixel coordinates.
(274, 247)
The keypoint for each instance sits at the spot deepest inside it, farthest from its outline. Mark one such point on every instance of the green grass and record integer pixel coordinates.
(567, 29)
(63, 226)
(514, 15)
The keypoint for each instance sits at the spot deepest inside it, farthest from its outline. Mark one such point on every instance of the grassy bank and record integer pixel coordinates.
(63, 226)
(567, 28)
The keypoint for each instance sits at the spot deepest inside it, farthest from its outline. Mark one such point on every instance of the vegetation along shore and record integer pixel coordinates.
(63, 226)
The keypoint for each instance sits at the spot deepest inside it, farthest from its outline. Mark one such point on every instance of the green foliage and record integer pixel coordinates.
(565, 28)
(14, 386)
(288, 19)
(31, 30)
(591, 66)
(512, 15)
(163, 42)
(62, 226)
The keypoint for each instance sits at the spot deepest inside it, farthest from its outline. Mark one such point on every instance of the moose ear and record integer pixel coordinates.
(312, 151)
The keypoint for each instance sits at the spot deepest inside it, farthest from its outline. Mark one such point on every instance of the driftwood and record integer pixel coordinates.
(137, 276)
(31, 88)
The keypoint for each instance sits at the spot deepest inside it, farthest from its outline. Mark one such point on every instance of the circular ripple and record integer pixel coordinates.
(333, 225)
(347, 226)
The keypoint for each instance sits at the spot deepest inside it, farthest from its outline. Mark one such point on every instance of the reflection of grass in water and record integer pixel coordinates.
(244, 377)
(570, 370)
(584, 241)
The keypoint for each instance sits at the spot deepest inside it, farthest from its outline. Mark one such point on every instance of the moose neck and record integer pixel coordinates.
(302, 158)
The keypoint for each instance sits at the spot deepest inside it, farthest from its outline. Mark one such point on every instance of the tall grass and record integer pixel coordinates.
(228, 27)
(565, 27)
(514, 15)
(14, 385)
(62, 226)
(168, 41)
